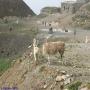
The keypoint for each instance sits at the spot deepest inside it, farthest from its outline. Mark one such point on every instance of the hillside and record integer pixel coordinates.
(82, 17)
(14, 8)
(14, 42)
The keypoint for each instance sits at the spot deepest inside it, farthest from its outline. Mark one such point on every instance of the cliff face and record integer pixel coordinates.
(14, 8)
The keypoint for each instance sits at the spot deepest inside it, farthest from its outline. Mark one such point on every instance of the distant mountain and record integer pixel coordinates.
(50, 10)
(14, 8)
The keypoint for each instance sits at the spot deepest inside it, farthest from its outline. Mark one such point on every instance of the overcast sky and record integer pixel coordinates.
(36, 5)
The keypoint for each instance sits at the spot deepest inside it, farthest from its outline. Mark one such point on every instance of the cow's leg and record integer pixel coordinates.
(61, 55)
(35, 57)
(48, 59)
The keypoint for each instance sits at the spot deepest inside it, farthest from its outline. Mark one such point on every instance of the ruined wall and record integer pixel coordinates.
(66, 7)
(70, 8)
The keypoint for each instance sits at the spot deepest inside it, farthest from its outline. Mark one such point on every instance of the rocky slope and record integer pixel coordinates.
(14, 8)
(82, 17)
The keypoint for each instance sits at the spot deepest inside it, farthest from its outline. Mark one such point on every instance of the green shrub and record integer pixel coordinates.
(74, 86)
(4, 65)
(88, 85)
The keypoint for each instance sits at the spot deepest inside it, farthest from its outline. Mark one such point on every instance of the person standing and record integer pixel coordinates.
(50, 29)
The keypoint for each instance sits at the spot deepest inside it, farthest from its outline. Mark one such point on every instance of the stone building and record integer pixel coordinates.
(68, 7)
(83, 1)
(71, 7)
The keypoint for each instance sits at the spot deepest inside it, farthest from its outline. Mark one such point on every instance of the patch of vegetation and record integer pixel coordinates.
(88, 7)
(81, 21)
(80, 18)
(88, 85)
(74, 86)
(4, 65)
